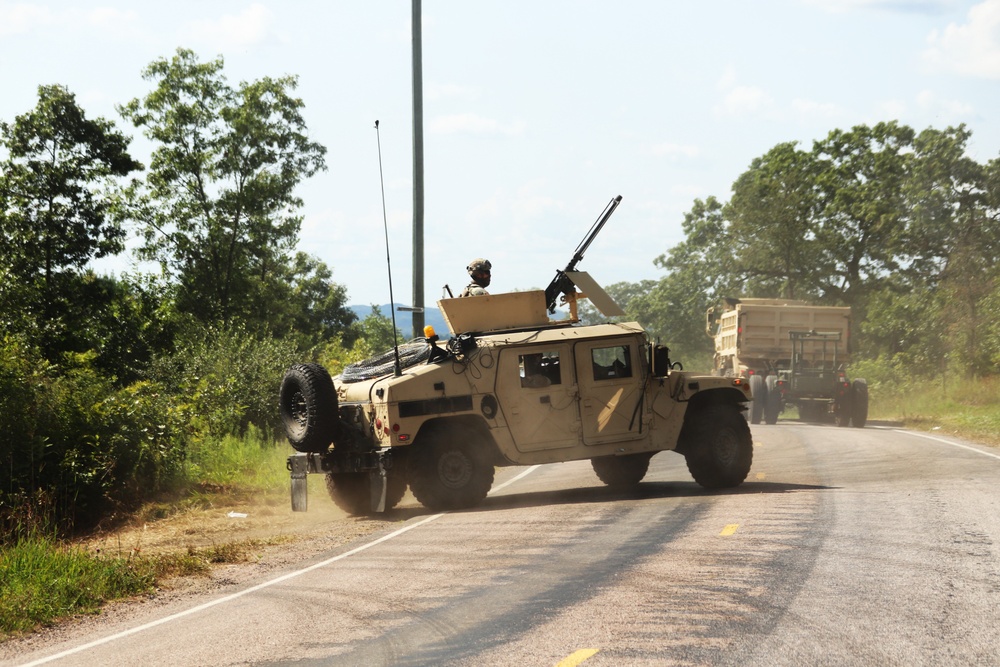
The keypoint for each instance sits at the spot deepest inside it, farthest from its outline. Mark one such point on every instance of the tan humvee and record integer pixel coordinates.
(510, 388)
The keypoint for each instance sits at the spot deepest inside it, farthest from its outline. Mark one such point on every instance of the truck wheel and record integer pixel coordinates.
(307, 403)
(450, 469)
(621, 471)
(717, 445)
(773, 407)
(859, 398)
(759, 391)
(351, 491)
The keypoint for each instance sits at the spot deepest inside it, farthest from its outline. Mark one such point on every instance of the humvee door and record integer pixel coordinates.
(611, 380)
(537, 390)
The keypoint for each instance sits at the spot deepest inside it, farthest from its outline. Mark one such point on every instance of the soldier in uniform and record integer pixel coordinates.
(479, 270)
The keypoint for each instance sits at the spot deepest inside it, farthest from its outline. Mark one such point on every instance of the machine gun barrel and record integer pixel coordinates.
(561, 284)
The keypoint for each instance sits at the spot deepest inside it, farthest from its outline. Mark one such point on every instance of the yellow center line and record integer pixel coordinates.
(577, 657)
(761, 476)
(729, 529)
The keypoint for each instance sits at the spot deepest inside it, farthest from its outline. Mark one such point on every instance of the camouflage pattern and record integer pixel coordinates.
(474, 289)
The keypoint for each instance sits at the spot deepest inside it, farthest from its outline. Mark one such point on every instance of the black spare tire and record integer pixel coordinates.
(308, 405)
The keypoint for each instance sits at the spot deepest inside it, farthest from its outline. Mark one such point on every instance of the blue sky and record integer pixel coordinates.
(536, 113)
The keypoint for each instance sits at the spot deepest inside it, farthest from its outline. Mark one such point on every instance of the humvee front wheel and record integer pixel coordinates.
(717, 445)
(449, 469)
(621, 471)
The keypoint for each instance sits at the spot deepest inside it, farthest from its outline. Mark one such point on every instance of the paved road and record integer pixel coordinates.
(844, 547)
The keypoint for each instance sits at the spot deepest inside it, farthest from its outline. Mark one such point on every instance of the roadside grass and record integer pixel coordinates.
(44, 578)
(967, 408)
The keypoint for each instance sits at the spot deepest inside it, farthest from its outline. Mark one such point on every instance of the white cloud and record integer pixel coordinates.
(470, 123)
(971, 49)
(233, 31)
(892, 109)
(948, 110)
(672, 150)
(112, 19)
(442, 91)
(22, 18)
(907, 6)
(727, 80)
(810, 109)
(744, 101)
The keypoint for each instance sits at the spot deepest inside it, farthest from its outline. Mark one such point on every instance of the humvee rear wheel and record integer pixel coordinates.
(307, 403)
(449, 469)
(759, 391)
(621, 471)
(717, 445)
(352, 491)
(859, 403)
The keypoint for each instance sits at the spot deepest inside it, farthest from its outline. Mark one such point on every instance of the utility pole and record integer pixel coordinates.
(418, 176)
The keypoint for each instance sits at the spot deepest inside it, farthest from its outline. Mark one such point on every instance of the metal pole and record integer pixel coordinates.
(418, 176)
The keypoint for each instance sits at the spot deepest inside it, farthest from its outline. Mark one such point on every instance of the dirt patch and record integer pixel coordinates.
(241, 538)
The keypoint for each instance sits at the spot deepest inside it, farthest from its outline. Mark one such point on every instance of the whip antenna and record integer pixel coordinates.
(388, 264)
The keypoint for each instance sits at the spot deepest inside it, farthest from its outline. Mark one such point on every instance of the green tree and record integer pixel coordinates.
(863, 211)
(700, 272)
(954, 243)
(773, 215)
(58, 187)
(219, 210)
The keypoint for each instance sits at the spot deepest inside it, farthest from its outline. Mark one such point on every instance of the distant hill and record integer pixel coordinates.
(404, 319)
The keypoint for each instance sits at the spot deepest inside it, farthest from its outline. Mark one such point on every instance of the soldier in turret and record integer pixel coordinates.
(479, 270)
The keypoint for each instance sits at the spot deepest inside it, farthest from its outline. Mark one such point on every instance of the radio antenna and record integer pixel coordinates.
(388, 264)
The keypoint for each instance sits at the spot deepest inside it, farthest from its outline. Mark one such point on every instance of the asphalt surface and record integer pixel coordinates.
(844, 547)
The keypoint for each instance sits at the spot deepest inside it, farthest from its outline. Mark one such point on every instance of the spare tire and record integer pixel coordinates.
(308, 406)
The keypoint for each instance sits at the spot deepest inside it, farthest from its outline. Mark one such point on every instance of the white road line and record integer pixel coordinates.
(266, 584)
(948, 442)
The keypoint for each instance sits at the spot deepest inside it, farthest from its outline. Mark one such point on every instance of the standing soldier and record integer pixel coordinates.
(479, 269)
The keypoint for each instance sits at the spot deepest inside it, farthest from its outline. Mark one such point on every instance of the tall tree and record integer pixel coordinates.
(700, 271)
(220, 212)
(57, 192)
(954, 243)
(863, 215)
(773, 215)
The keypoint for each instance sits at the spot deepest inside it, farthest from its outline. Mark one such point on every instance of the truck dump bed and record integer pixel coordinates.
(754, 330)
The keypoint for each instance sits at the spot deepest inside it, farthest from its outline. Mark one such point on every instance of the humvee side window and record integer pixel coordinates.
(540, 369)
(611, 363)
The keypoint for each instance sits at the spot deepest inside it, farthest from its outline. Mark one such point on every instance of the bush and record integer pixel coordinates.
(227, 379)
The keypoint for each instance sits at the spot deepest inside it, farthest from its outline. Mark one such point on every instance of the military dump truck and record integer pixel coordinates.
(792, 353)
(511, 387)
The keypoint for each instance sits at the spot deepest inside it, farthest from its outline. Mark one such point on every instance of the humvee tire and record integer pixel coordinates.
(759, 391)
(621, 471)
(351, 491)
(773, 407)
(717, 445)
(307, 403)
(859, 400)
(449, 468)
